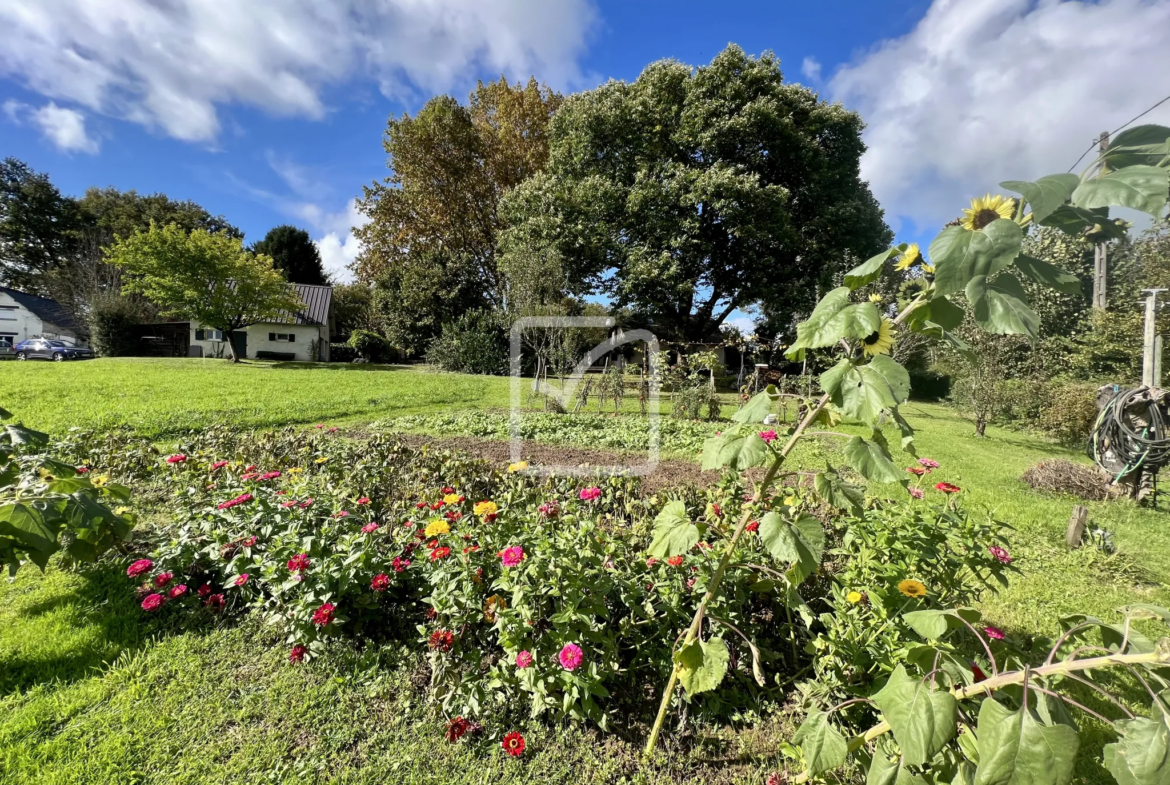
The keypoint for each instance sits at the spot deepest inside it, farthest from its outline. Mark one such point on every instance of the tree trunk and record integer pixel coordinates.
(980, 426)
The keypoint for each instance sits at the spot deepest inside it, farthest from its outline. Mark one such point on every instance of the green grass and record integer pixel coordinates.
(91, 691)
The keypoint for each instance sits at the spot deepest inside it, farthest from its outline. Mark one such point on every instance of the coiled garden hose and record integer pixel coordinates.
(1115, 442)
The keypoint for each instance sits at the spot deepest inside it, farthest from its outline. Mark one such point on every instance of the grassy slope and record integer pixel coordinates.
(92, 692)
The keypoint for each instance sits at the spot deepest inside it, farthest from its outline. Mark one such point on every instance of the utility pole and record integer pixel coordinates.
(1100, 263)
(1151, 362)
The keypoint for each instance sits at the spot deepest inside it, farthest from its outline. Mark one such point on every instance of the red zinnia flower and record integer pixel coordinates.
(139, 567)
(215, 602)
(153, 602)
(204, 590)
(369, 528)
(675, 561)
(381, 582)
(456, 728)
(447, 489)
(243, 498)
(323, 615)
(299, 562)
(269, 475)
(946, 487)
(82, 470)
(298, 653)
(979, 674)
(251, 468)
(419, 505)
(177, 591)
(440, 553)
(163, 578)
(436, 505)
(176, 459)
(363, 500)
(753, 526)
(218, 465)
(248, 542)
(715, 508)
(399, 564)
(441, 640)
(513, 744)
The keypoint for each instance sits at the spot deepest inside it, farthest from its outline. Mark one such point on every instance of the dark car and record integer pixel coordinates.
(42, 349)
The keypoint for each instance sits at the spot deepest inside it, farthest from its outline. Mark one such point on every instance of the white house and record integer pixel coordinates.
(24, 316)
(302, 336)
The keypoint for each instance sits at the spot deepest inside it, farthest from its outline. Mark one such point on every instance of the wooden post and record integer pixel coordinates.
(1100, 258)
(1149, 337)
(1076, 526)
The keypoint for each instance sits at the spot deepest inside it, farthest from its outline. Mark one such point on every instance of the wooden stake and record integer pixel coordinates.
(1076, 526)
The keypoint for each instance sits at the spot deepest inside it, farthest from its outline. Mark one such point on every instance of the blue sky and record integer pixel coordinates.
(272, 112)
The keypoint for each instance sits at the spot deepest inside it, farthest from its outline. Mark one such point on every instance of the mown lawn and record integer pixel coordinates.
(93, 691)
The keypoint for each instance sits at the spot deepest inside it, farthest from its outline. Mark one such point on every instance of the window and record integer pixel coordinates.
(7, 313)
(282, 337)
(208, 335)
(8, 340)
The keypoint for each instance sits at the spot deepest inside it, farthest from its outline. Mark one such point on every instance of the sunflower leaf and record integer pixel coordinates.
(836, 491)
(1046, 194)
(960, 254)
(944, 313)
(1015, 747)
(673, 532)
(835, 318)
(823, 745)
(733, 449)
(923, 720)
(1050, 275)
(1143, 144)
(868, 271)
(703, 665)
(1078, 221)
(863, 392)
(871, 459)
(1142, 188)
(1001, 306)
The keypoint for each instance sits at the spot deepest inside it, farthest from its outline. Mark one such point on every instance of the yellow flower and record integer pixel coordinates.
(928, 268)
(854, 597)
(881, 341)
(789, 501)
(295, 470)
(912, 588)
(986, 209)
(322, 459)
(451, 498)
(101, 480)
(519, 466)
(910, 257)
(485, 508)
(492, 605)
(45, 474)
(875, 298)
(436, 527)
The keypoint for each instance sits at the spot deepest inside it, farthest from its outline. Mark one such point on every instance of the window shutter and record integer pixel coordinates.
(272, 336)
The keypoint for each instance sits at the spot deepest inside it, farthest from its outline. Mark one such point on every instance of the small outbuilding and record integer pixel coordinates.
(24, 316)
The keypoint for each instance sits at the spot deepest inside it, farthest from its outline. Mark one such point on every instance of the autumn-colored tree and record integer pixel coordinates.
(438, 211)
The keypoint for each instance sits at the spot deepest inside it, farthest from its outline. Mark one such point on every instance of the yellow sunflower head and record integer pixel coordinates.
(880, 341)
(912, 588)
(986, 209)
(908, 259)
(436, 527)
(928, 268)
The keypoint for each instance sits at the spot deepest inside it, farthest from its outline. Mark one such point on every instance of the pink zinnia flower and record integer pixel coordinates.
(342, 514)
(269, 475)
(243, 498)
(298, 653)
(768, 436)
(307, 503)
(571, 657)
(928, 463)
(523, 659)
(218, 465)
(995, 633)
(381, 582)
(651, 561)
(299, 562)
(511, 557)
(549, 509)
(176, 459)
(215, 602)
(241, 579)
(82, 470)
(399, 564)
(248, 542)
(139, 567)
(319, 426)
(917, 493)
(324, 614)
(153, 602)
(163, 578)
(177, 591)
(204, 590)
(288, 504)
(590, 494)
(363, 500)
(369, 528)
(1000, 554)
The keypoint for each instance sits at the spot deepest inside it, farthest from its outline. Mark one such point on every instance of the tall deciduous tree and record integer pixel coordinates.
(202, 276)
(692, 192)
(38, 227)
(450, 166)
(294, 253)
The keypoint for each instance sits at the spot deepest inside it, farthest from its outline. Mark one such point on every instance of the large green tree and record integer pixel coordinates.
(294, 253)
(205, 277)
(38, 227)
(431, 241)
(692, 192)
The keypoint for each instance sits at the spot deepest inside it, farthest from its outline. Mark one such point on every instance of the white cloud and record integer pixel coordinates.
(170, 63)
(1003, 89)
(811, 68)
(64, 127)
(338, 247)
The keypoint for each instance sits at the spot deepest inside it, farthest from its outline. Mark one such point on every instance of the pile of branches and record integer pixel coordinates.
(1061, 476)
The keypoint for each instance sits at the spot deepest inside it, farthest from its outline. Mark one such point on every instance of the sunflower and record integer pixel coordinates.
(880, 341)
(928, 268)
(912, 588)
(985, 209)
(911, 256)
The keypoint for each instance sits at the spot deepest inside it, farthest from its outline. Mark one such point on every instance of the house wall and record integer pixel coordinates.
(17, 323)
(303, 336)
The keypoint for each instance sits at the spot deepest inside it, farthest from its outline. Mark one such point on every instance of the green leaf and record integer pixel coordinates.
(842, 495)
(1046, 194)
(823, 745)
(1016, 749)
(18, 434)
(868, 271)
(1001, 306)
(1142, 188)
(29, 527)
(959, 255)
(835, 318)
(897, 377)
(1142, 755)
(871, 460)
(930, 624)
(735, 450)
(1147, 145)
(886, 769)
(1050, 275)
(1093, 224)
(673, 532)
(907, 433)
(922, 720)
(944, 313)
(704, 664)
(70, 485)
(862, 392)
(5, 414)
(799, 542)
(793, 599)
(755, 410)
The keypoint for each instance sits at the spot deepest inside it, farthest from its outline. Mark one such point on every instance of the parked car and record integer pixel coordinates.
(59, 351)
(6, 352)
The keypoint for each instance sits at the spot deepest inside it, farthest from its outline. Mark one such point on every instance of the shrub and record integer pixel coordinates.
(476, 342)
(113, 323)
(928, 385)
(372, 347)
(342, 353)
(1070, 411)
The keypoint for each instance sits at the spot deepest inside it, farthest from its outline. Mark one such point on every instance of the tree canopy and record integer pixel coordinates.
(38, 227)
(294, 253)
(206, 277)
(692, 192)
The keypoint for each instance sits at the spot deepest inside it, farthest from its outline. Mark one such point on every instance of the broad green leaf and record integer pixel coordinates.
(1050, 275)
(70, 485)
(673, 532)
(897, 377)
(886, 769)
(907, 433)
(1092, 224)
(704, 664)
(5, 414)
(1147, 145)
(1001, 306)
(842, 495)
(29, 527)
(735, 450)
(868, 271)
(1142, 755)
(793, 599)
(959, 254)
(1144, 610)
(930, 624)
(1046, 194)
(923, 720)
(823, 745)
(755, 410)
(1142, 188)
(799, 542)
(871, 460)
(835, 318)
(18, 434)
(944, 313)
(862, 392)
(1016, 749)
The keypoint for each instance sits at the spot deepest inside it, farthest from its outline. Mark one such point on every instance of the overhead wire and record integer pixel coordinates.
(1119, 129)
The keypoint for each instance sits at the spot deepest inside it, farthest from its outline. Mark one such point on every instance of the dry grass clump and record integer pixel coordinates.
(1061, 476)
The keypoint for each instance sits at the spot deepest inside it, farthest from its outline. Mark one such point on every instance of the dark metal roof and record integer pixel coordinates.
(43, 308)
(317, 300)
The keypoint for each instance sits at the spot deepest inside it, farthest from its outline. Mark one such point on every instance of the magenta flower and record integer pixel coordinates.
(369, 528)
(153, 602)
(768, 436)
(511, 557)
(917, 493)
(928, 463)
(995, 633)
(523, 659)
(571, 657)
(177, 591)
(139, 567)
(298, 652)
(176, 458)
(399, 564)
(589, 494)
(1001, 555)
(241, 579)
